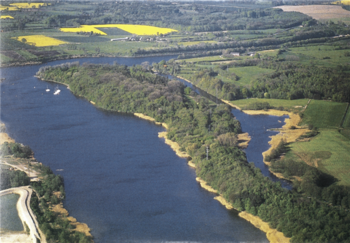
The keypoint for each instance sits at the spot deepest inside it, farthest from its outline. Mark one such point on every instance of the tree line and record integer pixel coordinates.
(198, 125)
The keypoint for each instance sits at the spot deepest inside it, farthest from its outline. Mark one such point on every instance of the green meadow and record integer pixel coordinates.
(328, 151)
(324, 114)
(288, 104)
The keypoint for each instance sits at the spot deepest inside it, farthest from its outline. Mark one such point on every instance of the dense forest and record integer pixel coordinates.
(196, 124)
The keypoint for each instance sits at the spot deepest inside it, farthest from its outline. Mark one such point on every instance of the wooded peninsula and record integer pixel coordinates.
(296, 213)
(270, 56)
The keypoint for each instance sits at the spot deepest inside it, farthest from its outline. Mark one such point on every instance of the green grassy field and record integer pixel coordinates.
(346, 123)
(324, 114)
(321, 55)
(82, 39)
(115, 31)
(328, 151)
(190, 43)
(206, 59)
(290, 104)
(247, 74)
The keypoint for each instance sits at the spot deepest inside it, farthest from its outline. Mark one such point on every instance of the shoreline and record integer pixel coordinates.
(21, 64)
(272, 235)
(286, 133)
(80, 227)
(176, 147)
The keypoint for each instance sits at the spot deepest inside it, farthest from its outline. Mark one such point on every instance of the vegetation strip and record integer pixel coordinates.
(224, 167)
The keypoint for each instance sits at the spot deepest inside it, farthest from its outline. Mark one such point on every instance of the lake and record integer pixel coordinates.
(120, 178)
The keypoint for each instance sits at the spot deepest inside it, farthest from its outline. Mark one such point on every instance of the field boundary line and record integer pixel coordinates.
(342, 120)
(308, 102)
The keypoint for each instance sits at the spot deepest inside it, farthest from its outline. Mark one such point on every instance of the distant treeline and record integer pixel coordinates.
(312, 32)
(197, 17)
(196, 125)
(290, 81)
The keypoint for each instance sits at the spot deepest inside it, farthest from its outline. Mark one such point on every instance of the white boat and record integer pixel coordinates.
(47, 89)
(57, 91)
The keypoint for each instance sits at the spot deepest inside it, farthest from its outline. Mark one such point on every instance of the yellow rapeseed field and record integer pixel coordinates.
(133, 29)
(29, 5)
(8, 8)
(6, 17)
(39, 40)
(345, 2)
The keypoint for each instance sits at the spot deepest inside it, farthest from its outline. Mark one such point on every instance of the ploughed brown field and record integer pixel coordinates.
(319, 12)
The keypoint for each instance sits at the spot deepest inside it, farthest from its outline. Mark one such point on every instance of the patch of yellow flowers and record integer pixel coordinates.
(6, 17)
(39, 40)
(17, 6)
(29, 5)
(133, 29)
(8, 8)
(345, 2)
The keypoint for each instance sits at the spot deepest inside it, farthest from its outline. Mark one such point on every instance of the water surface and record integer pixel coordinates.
(120, 178)
(9, 219)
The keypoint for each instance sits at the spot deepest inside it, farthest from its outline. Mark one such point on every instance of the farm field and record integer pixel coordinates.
(346, 123)
(247, 74)
(6, 17)
(328, 151)
(321, 55)
(205, 59)
(40, 40)
(289, 104)
(29, 5)
(319, 12)
(189, 43)
(324, 114)
(8, 8)
(133, 29)
(345, 2)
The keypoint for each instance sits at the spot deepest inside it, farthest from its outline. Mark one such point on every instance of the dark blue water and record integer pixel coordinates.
(120, 178)
(257, 126)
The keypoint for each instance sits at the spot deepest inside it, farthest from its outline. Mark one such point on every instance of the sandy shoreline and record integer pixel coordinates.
(289, 133)
(80, 227)
(272, 235)
(14, 236)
